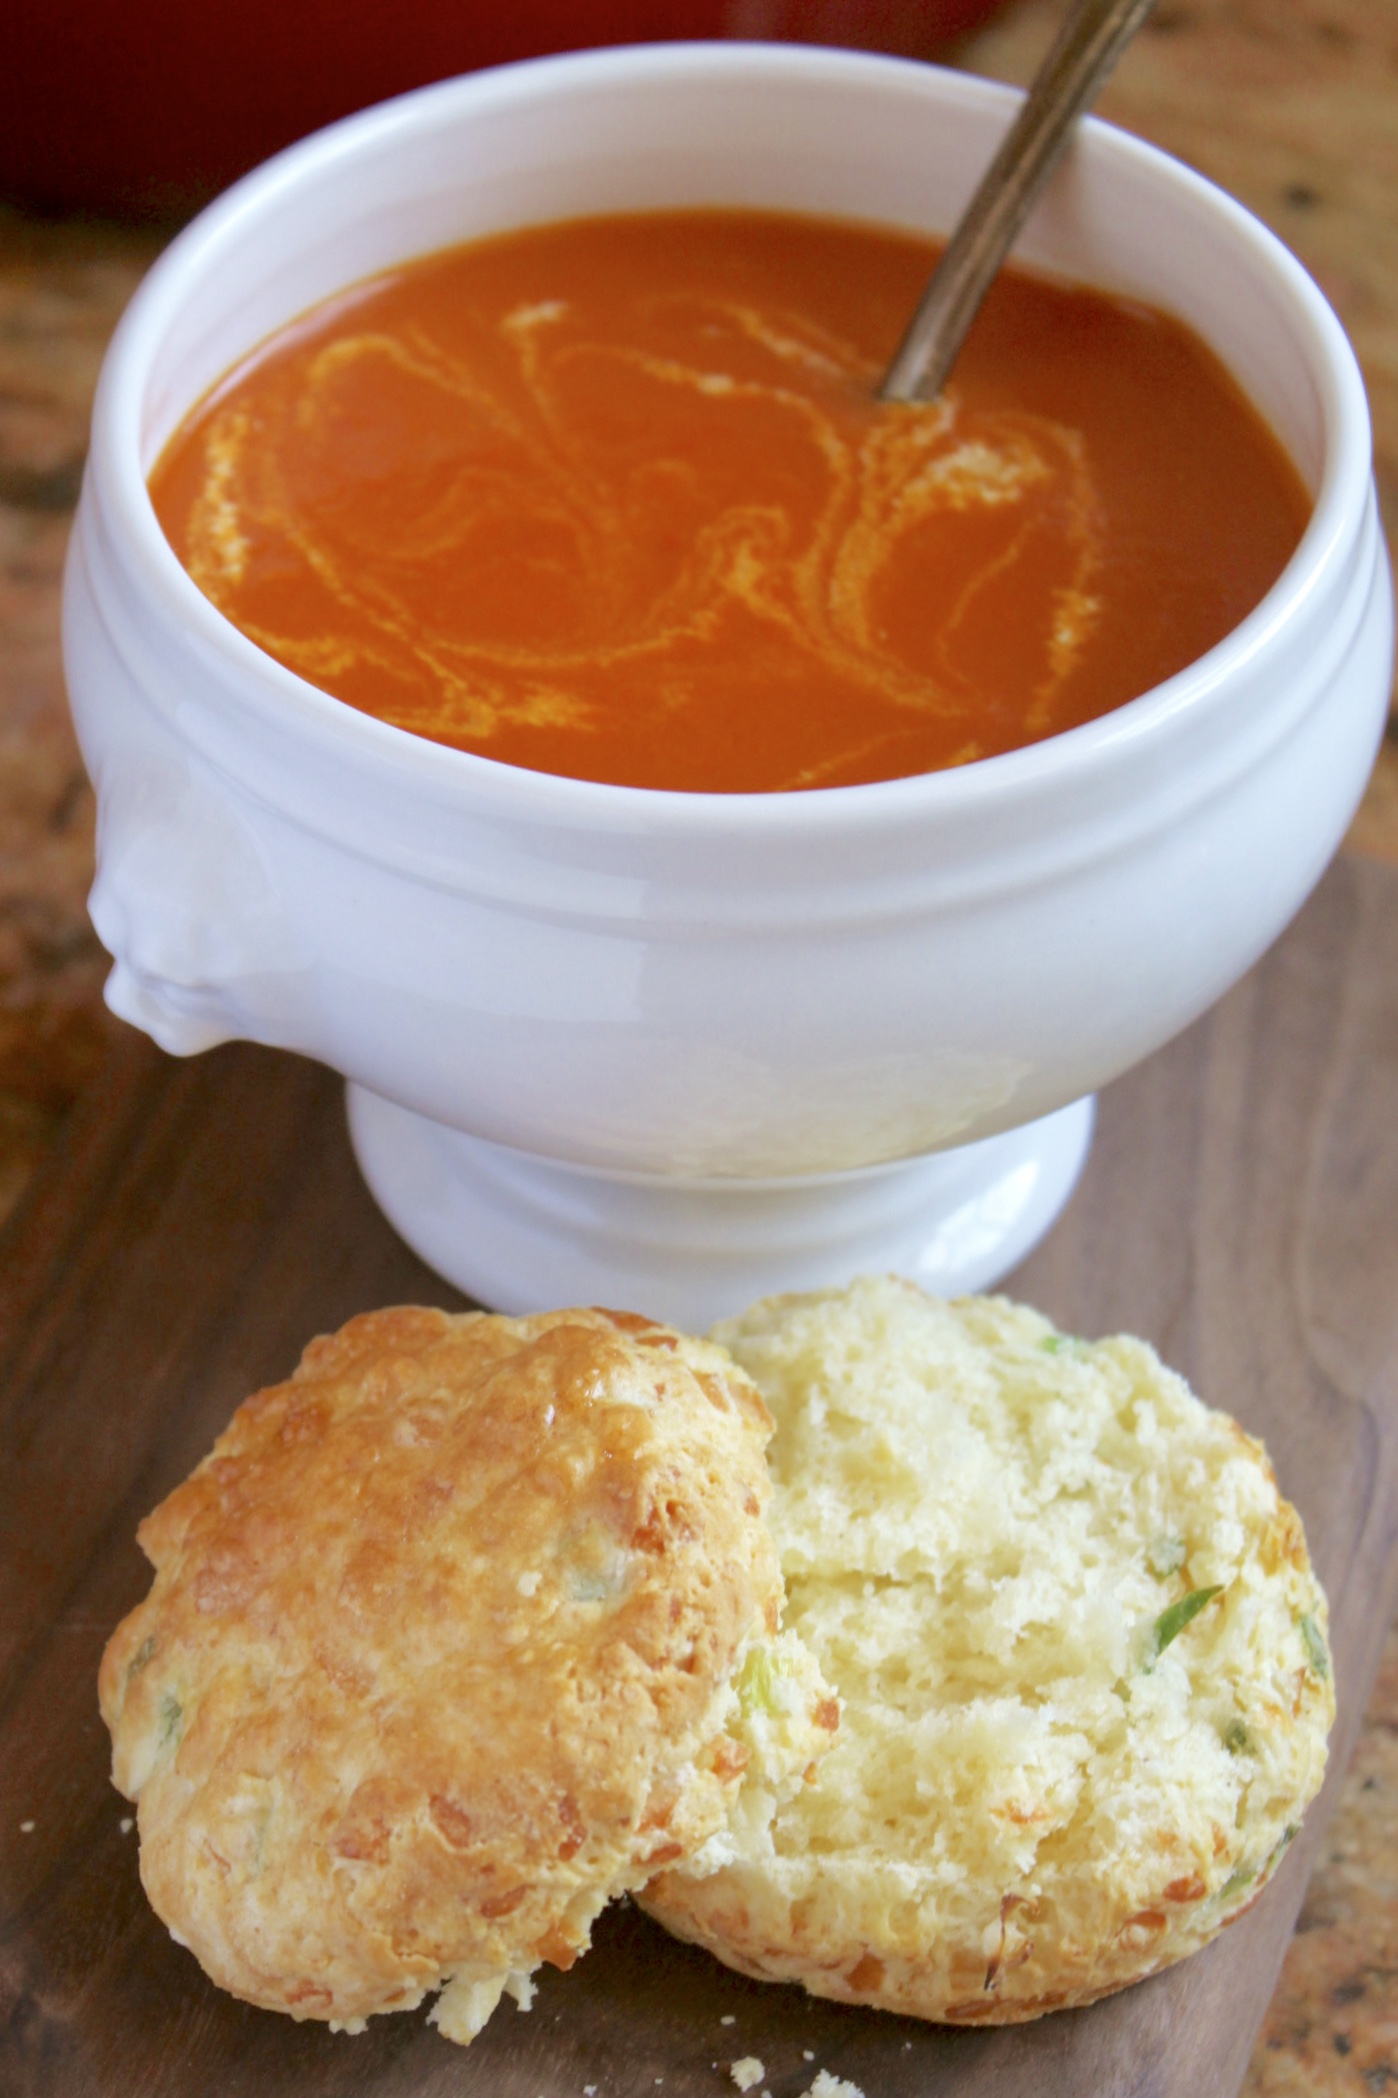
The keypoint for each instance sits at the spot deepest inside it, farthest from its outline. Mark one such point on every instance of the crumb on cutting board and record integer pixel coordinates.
(828, 2086)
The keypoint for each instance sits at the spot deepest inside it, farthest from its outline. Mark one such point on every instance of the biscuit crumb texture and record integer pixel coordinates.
(1079, 1648)
(443, 1651)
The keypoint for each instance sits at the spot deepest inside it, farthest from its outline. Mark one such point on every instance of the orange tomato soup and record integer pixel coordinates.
(613, 498)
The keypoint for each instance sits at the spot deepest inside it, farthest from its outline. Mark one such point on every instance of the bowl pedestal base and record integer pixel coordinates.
(522, 1233)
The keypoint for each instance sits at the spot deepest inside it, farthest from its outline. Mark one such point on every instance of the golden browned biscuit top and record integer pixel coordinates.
(439, 1654)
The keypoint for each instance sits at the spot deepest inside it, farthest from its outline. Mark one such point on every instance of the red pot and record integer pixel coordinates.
(148, 107)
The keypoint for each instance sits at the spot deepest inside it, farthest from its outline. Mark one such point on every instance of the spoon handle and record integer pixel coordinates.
(1087, 47)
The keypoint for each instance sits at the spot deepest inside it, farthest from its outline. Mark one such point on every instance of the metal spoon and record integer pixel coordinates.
(1087, 47)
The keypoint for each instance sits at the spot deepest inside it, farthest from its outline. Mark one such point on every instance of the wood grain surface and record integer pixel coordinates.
(200, 1221)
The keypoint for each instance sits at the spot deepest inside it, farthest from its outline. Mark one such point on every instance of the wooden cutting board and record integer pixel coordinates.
(203, 1219)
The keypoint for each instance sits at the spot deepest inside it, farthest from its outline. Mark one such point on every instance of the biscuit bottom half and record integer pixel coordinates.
(1080, 1651)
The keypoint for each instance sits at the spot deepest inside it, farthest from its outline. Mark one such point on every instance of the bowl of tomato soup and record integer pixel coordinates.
(724, 828)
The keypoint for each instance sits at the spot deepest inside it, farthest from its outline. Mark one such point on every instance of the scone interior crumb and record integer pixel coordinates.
(1080, 1652)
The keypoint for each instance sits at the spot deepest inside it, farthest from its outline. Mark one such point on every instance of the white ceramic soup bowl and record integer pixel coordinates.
(671, 1050)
